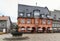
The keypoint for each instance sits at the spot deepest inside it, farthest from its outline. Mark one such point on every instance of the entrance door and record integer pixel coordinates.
(43, 29)
(48, 29)
(33, 29)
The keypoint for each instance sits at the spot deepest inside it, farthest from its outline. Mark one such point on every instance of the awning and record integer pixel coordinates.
(50, 29)
(29, 28)
(40, 29)
(22, 28)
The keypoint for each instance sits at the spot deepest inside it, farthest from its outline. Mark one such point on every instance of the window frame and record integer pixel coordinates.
(30, 21)
(20, 15)
(21, 20)
(36, 10)
(50, 22)
(37, 21)
(45, 21)
(27, 14)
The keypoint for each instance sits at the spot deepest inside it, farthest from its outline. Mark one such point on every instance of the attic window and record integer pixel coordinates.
(28, 14)
(36, 12)
(21, 14)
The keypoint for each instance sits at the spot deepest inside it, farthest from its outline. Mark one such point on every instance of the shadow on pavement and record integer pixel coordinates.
(16, 38)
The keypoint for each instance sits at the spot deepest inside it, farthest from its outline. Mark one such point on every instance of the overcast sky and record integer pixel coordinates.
(10, 7)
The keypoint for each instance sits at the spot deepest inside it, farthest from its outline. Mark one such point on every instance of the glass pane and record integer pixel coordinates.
(28, 20)
(28, 15)
(36, 21)
(36, 13)
(22, 21)
(49, 22)
(21, 14)
(43, 21)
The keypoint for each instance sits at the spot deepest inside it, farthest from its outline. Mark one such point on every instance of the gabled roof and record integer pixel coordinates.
(29, 8)
(4, 17)
(29, 5)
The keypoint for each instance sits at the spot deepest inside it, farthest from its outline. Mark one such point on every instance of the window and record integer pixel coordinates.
(49, 22)
(53, 25)
(43, 21)
(36, 21)
(28, 14)
(54, 16)
(28, 20)
(22, 28)
(59, 18)
(22, 20)
(36, 13)
(2, 24)
(43, 15)
(21, 14)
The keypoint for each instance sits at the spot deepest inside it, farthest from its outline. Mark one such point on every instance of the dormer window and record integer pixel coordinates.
(43, 15)
(36, 12)
(21, 14)
(48, 16)
(28, 14)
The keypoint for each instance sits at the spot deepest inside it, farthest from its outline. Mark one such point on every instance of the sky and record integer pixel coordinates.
(10, 7)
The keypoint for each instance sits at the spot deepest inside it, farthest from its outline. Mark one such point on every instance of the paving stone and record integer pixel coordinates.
(34, 37)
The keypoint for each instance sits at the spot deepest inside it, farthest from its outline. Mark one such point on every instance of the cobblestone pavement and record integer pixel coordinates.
(34, 37)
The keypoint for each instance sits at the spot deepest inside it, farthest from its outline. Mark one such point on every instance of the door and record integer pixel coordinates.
(33, 29)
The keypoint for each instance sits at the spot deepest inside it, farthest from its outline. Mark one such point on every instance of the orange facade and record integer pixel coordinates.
(35, 25)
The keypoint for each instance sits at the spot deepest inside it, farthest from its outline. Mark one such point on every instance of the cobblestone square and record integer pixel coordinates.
(34, 37)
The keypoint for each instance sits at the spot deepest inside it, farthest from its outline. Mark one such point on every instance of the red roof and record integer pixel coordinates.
(4, 17)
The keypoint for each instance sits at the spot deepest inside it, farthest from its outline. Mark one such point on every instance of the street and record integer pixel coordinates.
(33, 37)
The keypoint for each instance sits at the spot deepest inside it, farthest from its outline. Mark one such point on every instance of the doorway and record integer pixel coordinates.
(43, 29)
(33, 29)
